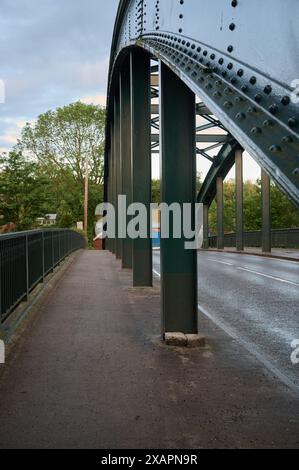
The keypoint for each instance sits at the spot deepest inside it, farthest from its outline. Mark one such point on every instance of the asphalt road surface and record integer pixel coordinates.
(256, 301)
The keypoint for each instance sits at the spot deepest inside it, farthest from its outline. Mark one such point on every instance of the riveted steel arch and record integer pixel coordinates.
(239, 57)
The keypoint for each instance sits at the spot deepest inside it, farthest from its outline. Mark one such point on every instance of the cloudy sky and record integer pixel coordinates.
(53, 52)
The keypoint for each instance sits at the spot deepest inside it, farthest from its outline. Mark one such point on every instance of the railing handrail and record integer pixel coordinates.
(26, 259)
(293, 229)
(27, 232)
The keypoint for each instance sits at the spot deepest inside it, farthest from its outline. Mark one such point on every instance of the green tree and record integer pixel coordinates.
(61, 141)
(283, 213)
(66, 137)
(25, 191)
(156, 186)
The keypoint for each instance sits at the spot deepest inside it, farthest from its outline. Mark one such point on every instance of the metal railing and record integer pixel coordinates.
(26, 258)
(284, 238)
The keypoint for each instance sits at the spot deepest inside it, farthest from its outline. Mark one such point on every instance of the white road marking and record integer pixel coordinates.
(251, 349)
(248, 346)
(252, 255)
(221, 262)
(156, 272)
(268, 276)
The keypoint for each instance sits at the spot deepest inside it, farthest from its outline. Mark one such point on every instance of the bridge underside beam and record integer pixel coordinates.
(229, 68)
(178, 265)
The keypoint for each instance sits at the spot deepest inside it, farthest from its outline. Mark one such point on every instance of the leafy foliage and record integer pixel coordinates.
(45, 173)
(283, 213)
(25, 191)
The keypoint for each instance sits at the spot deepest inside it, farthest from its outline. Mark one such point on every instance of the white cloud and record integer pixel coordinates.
(11, 133)
(94, 99)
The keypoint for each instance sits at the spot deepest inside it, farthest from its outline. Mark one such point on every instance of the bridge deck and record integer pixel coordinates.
(91, 372)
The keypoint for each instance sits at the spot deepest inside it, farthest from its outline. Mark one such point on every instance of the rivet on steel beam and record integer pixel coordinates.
(273, 109)
(251, 110)
(292, 122)
(256, 130)
(228, 104)
(275, 148)
(240, 116)
(285, 100)
(287, 139)
(268, 89)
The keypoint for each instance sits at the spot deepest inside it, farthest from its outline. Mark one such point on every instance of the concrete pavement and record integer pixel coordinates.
(91, 372)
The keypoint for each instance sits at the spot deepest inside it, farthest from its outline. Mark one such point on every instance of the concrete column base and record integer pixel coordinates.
(185, 341)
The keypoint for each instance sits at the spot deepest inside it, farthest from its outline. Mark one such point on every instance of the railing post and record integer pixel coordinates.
(266, 213)
(141, 160)
(27, 264)
(43, 253)
(205, 226)
(52, 239)
(178, 185)
(59, 248)
(239, 200)
(220, 214)
(125, 142)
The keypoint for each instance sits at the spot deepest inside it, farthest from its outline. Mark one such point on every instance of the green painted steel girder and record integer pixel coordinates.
(178, 185)
(141, 160)
(126, 152)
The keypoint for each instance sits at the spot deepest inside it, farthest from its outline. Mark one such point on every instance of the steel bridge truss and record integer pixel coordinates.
(240, 59)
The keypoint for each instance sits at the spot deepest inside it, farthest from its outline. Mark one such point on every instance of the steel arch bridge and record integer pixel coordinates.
(240, 59)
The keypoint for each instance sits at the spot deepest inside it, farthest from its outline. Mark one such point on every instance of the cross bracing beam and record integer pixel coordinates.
(200, 111)
(201, 138)
(231, 68)
(222, 164)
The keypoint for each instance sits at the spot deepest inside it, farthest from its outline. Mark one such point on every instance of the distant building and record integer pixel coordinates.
(49, 219)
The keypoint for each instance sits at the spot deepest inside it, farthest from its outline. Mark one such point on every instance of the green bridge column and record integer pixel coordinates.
(118, 168)
(178, 184)
(239, 200)
(125, 144)
(141, 160)
(220, 214)
(112, 182)
(266, 213)
(206, 226)
(108, 182)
